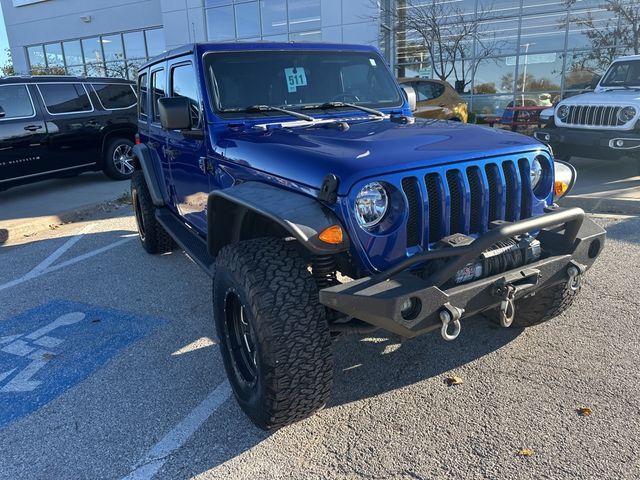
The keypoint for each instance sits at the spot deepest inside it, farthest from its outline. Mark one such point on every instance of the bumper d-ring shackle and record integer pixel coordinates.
(450, 315)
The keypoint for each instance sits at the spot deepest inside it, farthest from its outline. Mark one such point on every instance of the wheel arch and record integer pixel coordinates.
(147, 160)
(123, 131)
(253, 209)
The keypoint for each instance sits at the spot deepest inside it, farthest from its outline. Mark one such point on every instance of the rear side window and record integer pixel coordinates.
(114, 96)
(184, 84)
(16, 102)
(158, 90)
(428, 90)
(142, 95)
(65, 98)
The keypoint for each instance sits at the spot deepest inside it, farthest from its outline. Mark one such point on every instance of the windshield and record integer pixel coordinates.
(298, 79)
(622, 74)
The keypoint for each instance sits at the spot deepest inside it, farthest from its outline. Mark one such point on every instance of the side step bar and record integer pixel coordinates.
(188, 239)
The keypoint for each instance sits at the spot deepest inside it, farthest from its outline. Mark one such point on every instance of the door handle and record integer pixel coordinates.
(33, 128)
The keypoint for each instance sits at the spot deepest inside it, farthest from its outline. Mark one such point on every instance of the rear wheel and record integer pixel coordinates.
(541, 307)
(118, 159)
(273, 332)
(153, 236)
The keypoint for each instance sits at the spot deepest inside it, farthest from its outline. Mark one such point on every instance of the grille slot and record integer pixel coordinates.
(477, 204)
(512, 200)
(457, 202)
(412, 192)
(436, 204)
(525, 199)
(495, 191)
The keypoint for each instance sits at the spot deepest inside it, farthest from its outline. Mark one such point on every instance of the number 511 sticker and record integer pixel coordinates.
(295, 78)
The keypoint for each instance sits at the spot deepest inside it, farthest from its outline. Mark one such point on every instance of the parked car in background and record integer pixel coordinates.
(57, 126)
(437, 99)
(604, 123)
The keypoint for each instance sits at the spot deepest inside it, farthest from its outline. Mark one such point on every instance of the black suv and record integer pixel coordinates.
(58, 126)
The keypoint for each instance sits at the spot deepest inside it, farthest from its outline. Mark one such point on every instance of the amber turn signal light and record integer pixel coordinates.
(560, 189)
(332, 235)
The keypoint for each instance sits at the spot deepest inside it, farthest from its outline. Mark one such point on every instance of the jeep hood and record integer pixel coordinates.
(616, 97)
(370, 148)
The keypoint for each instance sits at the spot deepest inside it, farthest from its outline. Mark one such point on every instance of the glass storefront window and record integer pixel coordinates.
(304, 15)
(73, 52)
(77, 70)
(314, 36)
(495, 75)
(496, 37)
(498, 8)
(116, 69)
(543, 6)
(540, 72)
(112, 47)
(247, 19)
(216, 3)
(36, 56)
(274, 16)
(491, 105)
(54, 55)
(155, 42)
(221, 24)
(92, 48)
(543, 32)
(134, 45)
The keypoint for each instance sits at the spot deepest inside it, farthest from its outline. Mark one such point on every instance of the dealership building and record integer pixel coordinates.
(522, 51)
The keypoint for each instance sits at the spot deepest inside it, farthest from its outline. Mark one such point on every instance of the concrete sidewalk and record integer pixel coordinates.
(605, 186)
(28, 209)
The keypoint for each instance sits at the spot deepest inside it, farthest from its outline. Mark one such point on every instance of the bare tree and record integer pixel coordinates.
(606, 38)
(7, 69)
(442, 36)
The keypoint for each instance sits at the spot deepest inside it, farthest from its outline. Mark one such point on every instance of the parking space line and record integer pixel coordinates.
(45, 266)
(157, 456)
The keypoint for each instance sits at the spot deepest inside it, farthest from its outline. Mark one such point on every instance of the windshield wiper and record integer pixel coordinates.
(330, 105)
(270, 108)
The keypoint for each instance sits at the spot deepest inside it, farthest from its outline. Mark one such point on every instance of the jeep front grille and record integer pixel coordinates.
(466, 200)
(593, 116)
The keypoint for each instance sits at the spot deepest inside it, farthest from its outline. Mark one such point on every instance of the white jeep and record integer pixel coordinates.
(599, 124)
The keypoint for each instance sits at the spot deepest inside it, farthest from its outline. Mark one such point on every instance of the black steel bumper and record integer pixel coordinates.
(589, 142)
(568, 239)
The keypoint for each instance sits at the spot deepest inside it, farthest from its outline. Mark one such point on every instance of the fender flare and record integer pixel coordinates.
(298, 215)
(150, 166)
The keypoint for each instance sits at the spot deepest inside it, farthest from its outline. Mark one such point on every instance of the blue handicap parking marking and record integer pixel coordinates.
(49, 349)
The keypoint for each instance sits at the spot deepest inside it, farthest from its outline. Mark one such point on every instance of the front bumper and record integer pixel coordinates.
(568, 239)
(577, 141)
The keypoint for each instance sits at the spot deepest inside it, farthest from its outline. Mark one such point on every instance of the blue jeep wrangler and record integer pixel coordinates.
(297, 178)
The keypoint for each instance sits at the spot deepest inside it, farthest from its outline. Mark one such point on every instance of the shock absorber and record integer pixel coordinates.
(323, 268)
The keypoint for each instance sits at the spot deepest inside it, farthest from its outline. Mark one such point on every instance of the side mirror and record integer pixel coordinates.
(2, 112)
(175, 113)
(594, 82)
(410, 95)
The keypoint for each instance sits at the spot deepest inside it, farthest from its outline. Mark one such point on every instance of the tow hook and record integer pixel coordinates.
(507, 309)
(450, 314)
(575, 272)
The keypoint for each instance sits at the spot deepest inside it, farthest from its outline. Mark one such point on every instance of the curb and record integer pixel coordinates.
(13, 230)
(621, 206)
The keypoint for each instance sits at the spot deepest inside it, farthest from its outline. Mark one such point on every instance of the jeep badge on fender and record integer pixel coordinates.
(296, 176)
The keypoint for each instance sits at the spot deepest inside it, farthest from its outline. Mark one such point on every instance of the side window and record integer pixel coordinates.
(142, 96)
(184, 84)
(428, 90)
(158, 89)
(114, 96)
(15, 102)
(65, 97)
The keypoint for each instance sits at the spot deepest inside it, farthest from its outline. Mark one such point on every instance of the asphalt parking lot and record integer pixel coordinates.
(109, 368)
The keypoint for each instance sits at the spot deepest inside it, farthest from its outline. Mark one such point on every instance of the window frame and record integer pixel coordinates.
(151, 89)
(186, 63)
(33, 106)
(135, 94)
(76, 112)
(142, 116)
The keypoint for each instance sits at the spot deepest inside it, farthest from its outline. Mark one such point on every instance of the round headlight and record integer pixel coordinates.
(563, 112)
(535, 173)
(627, 114)
(371, 204)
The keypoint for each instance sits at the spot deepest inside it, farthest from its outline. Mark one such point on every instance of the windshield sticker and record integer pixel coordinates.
(295, 78)
(372, 61)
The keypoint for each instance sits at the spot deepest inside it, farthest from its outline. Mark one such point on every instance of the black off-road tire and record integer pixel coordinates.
(541, 307)
(289, 333)
(153, 236)
(118, 169)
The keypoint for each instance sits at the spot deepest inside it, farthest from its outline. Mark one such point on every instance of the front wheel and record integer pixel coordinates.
(274, 334)
(546, 304)
(153, 236)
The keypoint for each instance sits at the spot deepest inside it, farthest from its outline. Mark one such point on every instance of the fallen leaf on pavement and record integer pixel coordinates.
(453, 381)
(584, 411)
(525, 452)
(48, 356)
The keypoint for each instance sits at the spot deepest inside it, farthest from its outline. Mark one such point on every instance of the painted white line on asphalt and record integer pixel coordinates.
(93, 253)
(47, 262)
(176, 438)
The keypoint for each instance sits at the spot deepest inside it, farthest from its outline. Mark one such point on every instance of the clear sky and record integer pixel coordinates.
(4, 43)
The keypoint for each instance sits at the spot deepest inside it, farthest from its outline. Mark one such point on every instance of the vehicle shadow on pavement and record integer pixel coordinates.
(366, 367)
(626, 230)
(4, 236)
